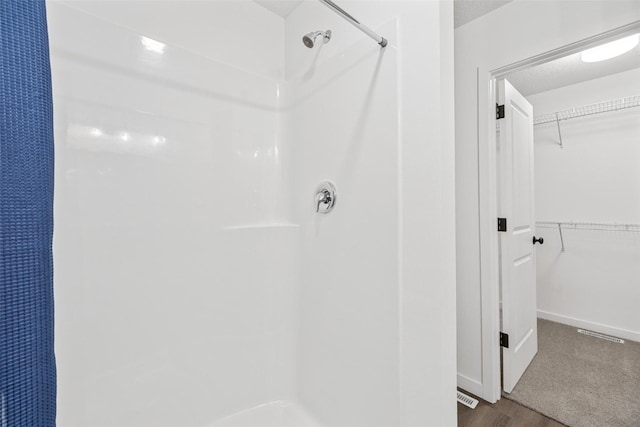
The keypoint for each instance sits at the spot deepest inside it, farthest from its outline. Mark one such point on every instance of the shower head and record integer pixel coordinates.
(309, 40)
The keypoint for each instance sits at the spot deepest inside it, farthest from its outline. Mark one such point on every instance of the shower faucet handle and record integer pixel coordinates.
(325, 197)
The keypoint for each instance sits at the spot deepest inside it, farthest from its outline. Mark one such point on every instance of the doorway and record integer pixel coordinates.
(583, 193)
(517, 35)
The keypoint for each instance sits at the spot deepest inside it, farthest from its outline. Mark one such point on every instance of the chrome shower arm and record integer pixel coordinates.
(368, 31)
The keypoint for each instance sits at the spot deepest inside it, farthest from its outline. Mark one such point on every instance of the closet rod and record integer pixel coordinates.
(588, 110)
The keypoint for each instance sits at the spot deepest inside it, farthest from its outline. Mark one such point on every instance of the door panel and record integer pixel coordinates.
(518, 272)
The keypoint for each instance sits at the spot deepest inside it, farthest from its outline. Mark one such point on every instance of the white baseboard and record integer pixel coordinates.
(470, 385)
(596, 327)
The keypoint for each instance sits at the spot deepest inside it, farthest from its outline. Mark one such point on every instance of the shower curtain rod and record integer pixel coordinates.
(368, 31)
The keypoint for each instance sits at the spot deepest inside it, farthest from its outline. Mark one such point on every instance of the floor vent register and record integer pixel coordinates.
(601, 336)
(467, 400)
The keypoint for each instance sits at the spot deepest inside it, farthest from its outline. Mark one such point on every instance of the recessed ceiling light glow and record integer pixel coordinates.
(610, 50)
(152, 45)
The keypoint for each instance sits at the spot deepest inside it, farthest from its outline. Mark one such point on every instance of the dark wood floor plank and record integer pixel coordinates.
(504, 413)
(483, 416)
(521, 415)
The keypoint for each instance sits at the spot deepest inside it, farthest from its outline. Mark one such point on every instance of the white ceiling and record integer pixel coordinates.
(463, 10)
(280, 7)
(467, 10)
(570, 70)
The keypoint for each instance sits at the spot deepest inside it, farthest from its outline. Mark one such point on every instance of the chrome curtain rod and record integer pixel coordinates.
(368, 31)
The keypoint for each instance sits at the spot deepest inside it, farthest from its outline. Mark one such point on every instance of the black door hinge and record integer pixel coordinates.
(504, 340)
(499, 111)
(502, 224)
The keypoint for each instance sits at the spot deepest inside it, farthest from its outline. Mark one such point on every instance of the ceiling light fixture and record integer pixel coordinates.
(610, 50)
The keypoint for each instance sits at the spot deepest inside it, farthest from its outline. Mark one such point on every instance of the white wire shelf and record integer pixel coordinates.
(597, 226)
(590, 226)
(588, 110)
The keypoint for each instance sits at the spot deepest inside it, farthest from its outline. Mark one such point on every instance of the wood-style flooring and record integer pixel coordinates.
(505, 413)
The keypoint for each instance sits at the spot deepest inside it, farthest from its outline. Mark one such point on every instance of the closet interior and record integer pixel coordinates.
(586, 129)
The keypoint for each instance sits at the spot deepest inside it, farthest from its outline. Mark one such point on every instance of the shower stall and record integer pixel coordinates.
(251, 230)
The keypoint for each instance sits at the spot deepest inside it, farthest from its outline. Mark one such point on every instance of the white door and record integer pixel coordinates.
(517, 257)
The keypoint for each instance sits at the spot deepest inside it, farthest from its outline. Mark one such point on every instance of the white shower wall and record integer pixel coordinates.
(174, 253)
(349, 307)
(595, 178)
(377, 279)
(194, 280)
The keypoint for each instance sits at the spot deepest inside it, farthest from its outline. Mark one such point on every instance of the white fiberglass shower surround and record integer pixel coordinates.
(199, 281)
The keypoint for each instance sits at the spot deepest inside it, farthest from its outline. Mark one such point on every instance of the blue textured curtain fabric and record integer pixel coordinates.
(27, 363)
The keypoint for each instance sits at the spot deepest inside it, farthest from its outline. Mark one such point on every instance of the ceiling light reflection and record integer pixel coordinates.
(92, 138)
(152, 45)
(159, 140)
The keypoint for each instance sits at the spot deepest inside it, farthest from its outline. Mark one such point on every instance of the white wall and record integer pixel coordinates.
(514, 32)
(594, 178)
(377, 280)
(167, 315)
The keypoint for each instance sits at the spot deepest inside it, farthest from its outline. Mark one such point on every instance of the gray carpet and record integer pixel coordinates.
(582, 381)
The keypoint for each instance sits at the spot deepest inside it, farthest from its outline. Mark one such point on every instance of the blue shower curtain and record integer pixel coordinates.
(27, 364)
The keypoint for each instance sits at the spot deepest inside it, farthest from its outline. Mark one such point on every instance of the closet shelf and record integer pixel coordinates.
(598, 226)
(588, 110)
(594, 226)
